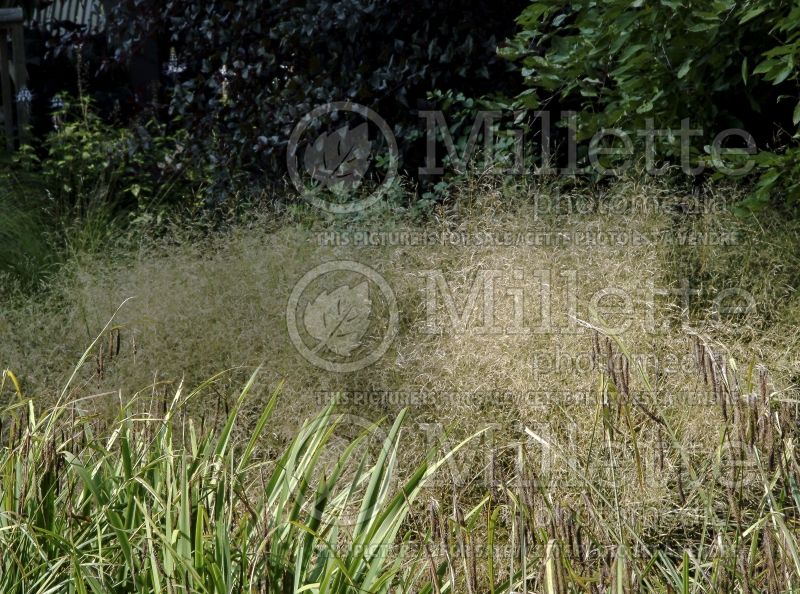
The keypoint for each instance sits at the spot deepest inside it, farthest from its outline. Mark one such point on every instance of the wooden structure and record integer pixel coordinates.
(86, 13)
(13, 75)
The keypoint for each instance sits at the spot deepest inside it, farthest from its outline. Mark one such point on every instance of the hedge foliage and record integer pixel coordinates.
(722, 63)
(250, 70)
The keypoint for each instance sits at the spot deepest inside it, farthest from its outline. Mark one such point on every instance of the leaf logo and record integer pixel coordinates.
(336, 320)
(339, 320)
(341, 157)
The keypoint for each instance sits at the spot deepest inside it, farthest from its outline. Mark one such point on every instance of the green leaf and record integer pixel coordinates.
(628, 53)
(784, 74)
(764, 67)
(701, 27)
(752, 13)
(533, 14)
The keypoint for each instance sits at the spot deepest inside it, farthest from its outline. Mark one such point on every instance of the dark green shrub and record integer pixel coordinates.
(245, 72)
(722, 63)
(85, 158)
(81, 185)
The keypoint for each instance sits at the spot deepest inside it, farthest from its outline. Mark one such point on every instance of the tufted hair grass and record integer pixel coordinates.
(612, 465)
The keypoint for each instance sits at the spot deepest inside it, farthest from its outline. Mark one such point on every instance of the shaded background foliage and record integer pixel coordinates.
(238, 75)
(722, 63)
(192, 97)
(252, 70)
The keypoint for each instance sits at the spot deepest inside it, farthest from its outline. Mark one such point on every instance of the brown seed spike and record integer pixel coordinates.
(626, 375)
(436, 529)
(762, 384)
(704, 364)
(100, 364)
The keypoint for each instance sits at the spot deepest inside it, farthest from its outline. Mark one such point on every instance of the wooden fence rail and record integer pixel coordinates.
(13, 72)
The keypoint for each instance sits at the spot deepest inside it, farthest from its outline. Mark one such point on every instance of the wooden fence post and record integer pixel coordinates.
(12, 19)
(5, 78)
